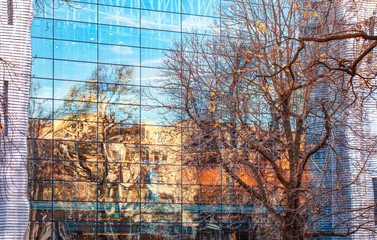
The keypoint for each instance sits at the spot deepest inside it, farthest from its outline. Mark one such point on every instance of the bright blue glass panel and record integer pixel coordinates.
(41, 88)
(158, 39)
(75, 31)
(42, 47)
(70, 70)
(121, 3)
(119, 55)
(125, 17)
(201, 7)
(41, 68)
(160, 20)
(41, 28)
(161, 5)
(75, 51)
(82, 12)
(119, 35)
(152, 58)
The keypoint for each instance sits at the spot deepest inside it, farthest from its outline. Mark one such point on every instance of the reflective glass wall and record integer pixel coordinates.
(105, 159)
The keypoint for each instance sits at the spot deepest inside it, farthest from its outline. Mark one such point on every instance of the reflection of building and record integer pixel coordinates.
(105, 159)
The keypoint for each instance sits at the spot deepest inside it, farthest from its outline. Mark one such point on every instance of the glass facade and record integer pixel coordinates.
(105, 159)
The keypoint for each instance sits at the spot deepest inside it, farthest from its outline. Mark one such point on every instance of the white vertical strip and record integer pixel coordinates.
(15, 48)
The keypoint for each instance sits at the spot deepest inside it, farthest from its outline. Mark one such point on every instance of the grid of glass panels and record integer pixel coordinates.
(104, 157)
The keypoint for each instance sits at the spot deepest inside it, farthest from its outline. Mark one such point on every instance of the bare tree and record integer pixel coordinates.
(279, 97)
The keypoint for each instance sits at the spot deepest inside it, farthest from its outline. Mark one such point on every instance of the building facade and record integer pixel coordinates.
(104, 157)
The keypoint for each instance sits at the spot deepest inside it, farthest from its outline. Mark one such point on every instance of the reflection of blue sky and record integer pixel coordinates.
(74, 70)
(89, 34)
(119, 16)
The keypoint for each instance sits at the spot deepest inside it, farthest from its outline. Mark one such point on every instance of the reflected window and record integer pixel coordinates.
(68, 50)
(165, 6)
(126, 17)
(119, 35)
(160, 20)
(73, 11)
(75, 31)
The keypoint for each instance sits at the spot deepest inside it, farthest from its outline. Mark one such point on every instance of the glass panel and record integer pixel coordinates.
(41, 28)
(160, 20)
(159, 39)
(40, 149)
(41, 68)
(73, 151)
(74, 70)
(77, 171)
(118, 113)
(201, 7)
(198, 24)
(40, 108)
(161, 173)
(40, 169)
(161, 5)
(73, 110)
(74, 51)
(43, 8)
(81, 12)
(40, 128)
(37, 228)
(126, 17)
(75, 31)
(155, 230)
(124, 153)
(80, 91)
(121, 3)
(119, 93)
(113, 132)
(152, 57)
(42, 47)
(158, 116)
(40, 211)
(40, 190)
(119, 55)
(41, 88)
(119, 74)
(162, 135)
(152, 77)
(75, 130)
(119, 35)
(119, 225)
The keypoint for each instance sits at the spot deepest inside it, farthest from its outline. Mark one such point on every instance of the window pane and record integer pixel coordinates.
(119, 16)
(74, 70)
(164, 5)
(119, 55)
(201, 7)
(41, 88)
(41, 28)
(74, 51)
(42, 47)
(41, 68)
(158, 39)
(119, 35)
(81, 12)
(121, 3)
(152, 57)
(160, 20)
(75, 31)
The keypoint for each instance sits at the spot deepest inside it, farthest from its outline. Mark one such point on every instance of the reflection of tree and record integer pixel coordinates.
(97, 155)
